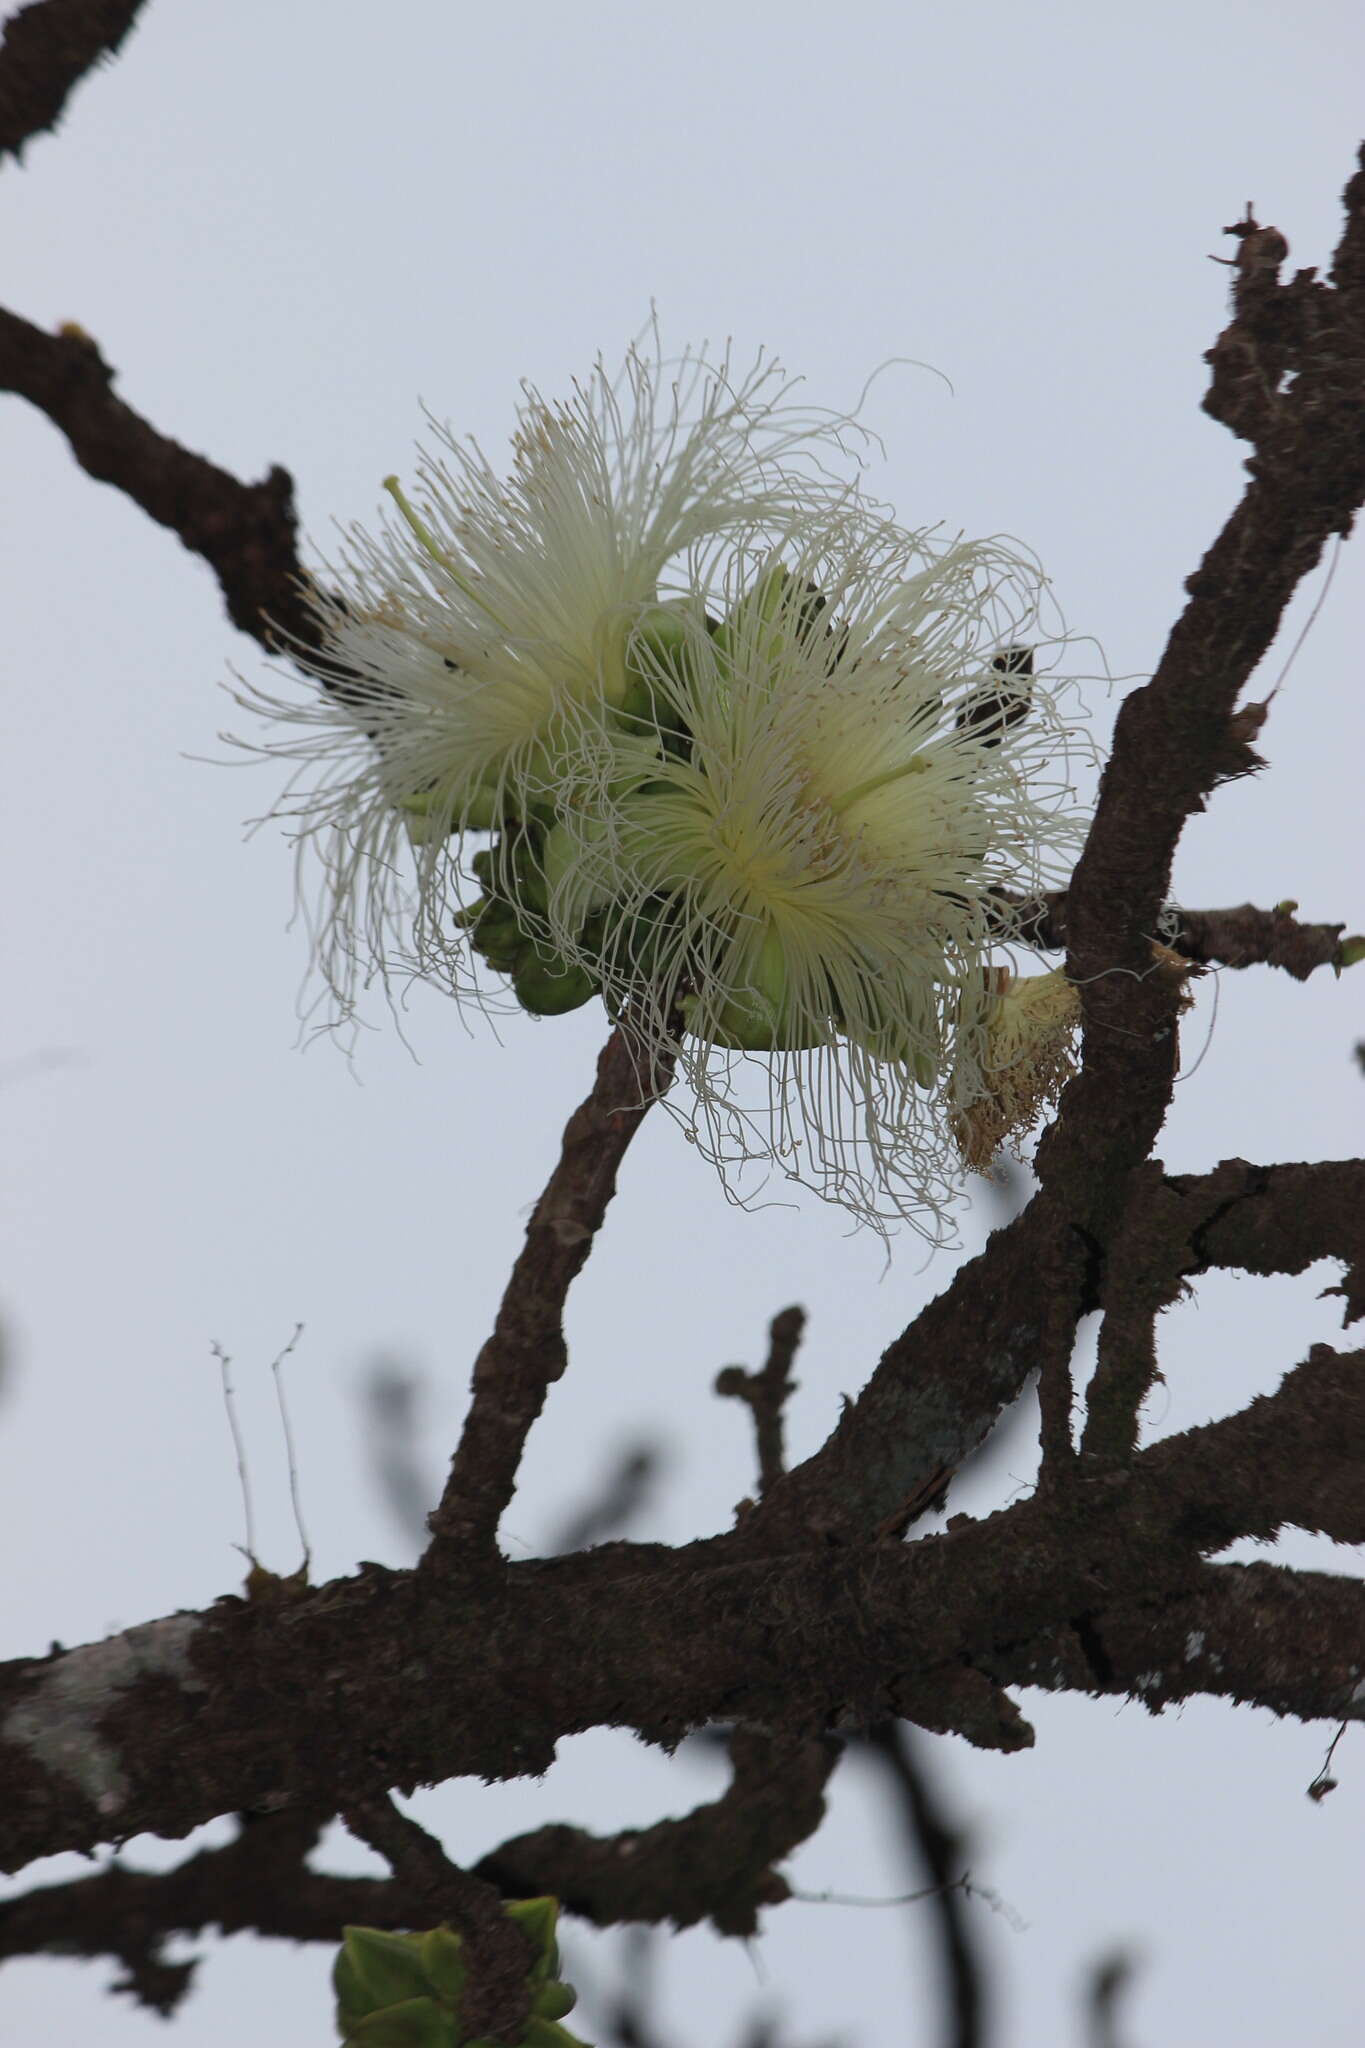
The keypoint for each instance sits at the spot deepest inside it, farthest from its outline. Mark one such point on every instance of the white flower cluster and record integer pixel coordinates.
(737, 753)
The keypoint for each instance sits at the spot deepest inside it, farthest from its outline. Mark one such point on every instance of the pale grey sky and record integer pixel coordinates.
(291, 227)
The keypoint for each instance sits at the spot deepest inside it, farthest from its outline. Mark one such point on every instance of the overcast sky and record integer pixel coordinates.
(292, 227)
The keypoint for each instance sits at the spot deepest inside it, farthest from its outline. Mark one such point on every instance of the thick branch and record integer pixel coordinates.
(179, 1720)
(1256, 1219)
(715, 1864)
(526, 1354)
(1256, 1634)
(47, 49)
(245, 532)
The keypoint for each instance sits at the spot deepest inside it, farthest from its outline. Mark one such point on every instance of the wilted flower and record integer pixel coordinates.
(757, 766)
(1026, 1061)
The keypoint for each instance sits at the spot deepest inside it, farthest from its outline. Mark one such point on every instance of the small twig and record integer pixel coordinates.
(496, 2000)
(47, 49)
(1324, 1781)
(1243, 936)
(766, 1393)
(526, 1353)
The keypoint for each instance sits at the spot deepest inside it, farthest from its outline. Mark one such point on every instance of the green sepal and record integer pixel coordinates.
(561, 855)
(538, 1919)
(542, 2033)
(442, 1953)
(659, 665)
(757, 1018)
(553, 1999)
(759, 607)
(426, 810)
(416, 2023)
(375, 1968)
(1351, 951)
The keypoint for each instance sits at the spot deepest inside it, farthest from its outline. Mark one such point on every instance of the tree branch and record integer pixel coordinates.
(47, 49)
(938, 1849)
(166, 1725)
(247, 533)
(766, 1393)
(716, 1864)
(1239, 937)
(526, 1353)
(1288, 374)
(496, 1999)
(1257, 1634)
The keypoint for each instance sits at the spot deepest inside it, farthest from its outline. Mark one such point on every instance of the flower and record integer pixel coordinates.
(755, 764)
(801, 851)
(491, 614)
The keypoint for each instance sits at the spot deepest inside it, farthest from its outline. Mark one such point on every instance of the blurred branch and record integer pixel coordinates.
(260, 1883)
(46, 51)
(1109, 1980)
(247, 533)
(937, 1848)
(526, 1353)
(766, 1393)
(389, 1396)
(620, 1495)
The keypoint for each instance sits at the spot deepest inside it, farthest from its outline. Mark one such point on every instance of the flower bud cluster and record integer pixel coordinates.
(407, 1990)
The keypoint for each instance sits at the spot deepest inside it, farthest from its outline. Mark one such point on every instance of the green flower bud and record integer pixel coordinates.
(549, 986)
(498, 936)
(1352, 951)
